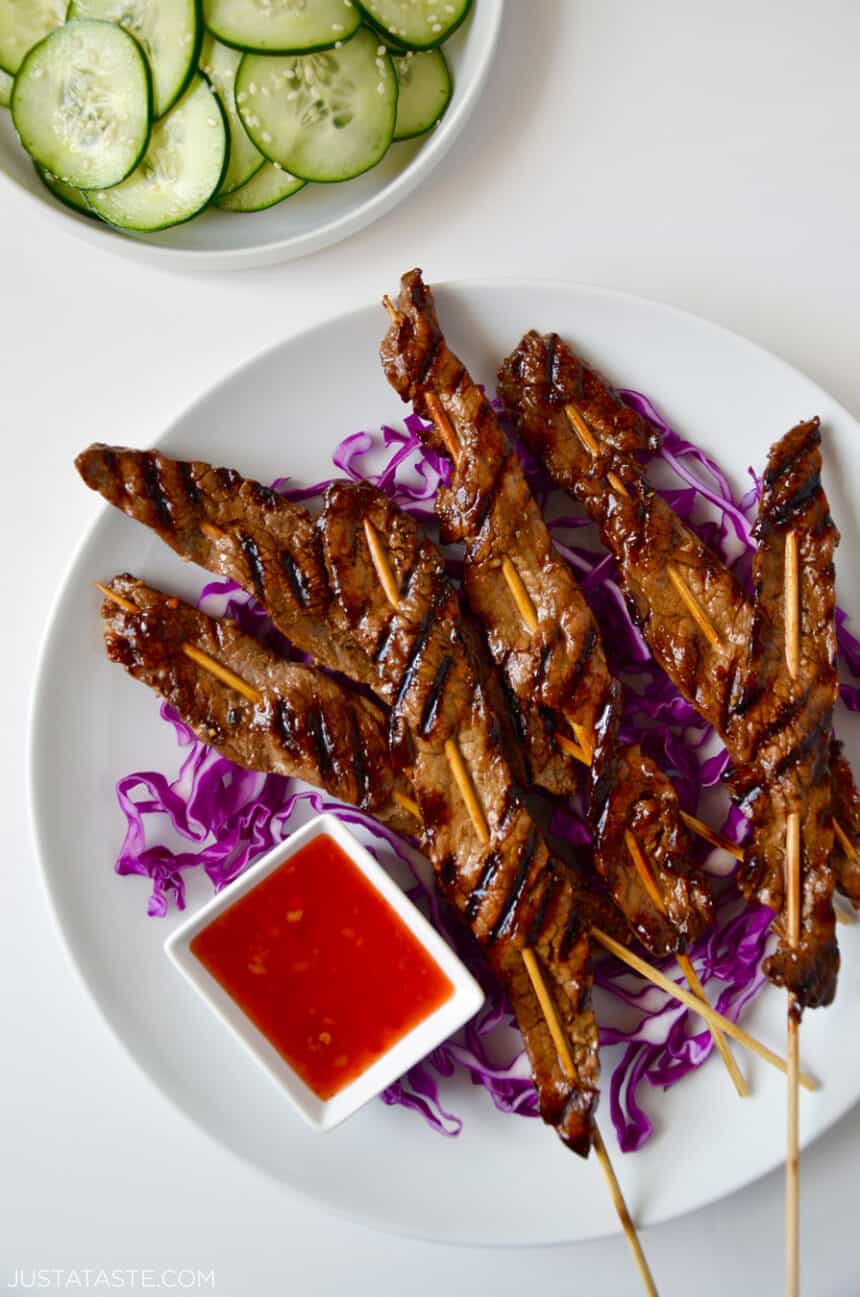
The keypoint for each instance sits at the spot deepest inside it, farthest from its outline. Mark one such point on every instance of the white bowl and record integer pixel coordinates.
(317, 215)
(324, 1114)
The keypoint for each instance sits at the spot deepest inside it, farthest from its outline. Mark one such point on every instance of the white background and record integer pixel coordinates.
(705, 155)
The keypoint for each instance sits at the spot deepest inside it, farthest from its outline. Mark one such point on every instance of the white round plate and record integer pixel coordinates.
(317, 215)
(506, 1180)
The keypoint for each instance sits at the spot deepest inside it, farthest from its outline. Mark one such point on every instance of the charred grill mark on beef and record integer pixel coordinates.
(293, 573)
(155, 491)
(255, 566)
(500, 887)
(516, 890)
(431, 706)
(307, 725)
(559, 670)
(775, 729)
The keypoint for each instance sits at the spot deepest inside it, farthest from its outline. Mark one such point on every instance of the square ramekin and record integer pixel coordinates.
(324, 1114)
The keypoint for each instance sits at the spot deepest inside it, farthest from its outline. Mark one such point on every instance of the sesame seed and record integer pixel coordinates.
(380, 49)
(380, 89)
(292, 94)
(212, 121)
(266, 137)
(337, 27)
(265, 91)
(241, 97)
(252, 88)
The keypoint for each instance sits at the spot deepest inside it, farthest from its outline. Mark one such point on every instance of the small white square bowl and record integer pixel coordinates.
(324, 1114)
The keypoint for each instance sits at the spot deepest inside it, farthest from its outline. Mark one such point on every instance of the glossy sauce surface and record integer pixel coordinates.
(323, 966)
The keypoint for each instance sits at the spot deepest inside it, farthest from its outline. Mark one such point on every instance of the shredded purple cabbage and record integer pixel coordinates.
(226, 817)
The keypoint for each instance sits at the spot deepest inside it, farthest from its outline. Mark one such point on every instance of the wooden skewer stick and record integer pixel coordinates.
(125, 604)
(703, 1008)
(715, 839)
(559, 1038)
(685, 963)
(408, 804)
(694, 608)
(591, 444)
(792, 917)
(381, 564)
(520, 595)
(573, 749)
(444, 426)
(845, 842)
(222, 673)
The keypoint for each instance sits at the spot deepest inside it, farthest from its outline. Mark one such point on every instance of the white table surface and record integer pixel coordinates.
(704, 155)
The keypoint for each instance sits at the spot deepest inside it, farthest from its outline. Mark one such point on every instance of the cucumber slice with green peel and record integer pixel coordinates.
(6, 84)
(327, 116)
(220, 63)
(182, 169)
(169, 32)
(281, 26)
(67, 194)
(82, 104)
(269, 186)
(424, 91)
(419, 24)
(23, 23)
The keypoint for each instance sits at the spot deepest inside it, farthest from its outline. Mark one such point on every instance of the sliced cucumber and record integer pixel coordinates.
(424, 91)
(281, 26)
(327, 116)
(6, 84)
(23, 23)
(74, 198)
(220, 64)
(81, 104)
(420, 24)
(269, 186)
(181, 171)
(169, 31)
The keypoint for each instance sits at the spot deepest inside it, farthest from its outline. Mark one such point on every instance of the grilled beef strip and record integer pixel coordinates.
(559, 667)
(307, 725)
(256, 528)
(558, 670)
(509, 889)
(780, 730)
(646, 536)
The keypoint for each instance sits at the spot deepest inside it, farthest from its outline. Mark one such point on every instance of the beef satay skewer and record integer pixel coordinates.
(792, 892)
(583, 748)
(566, 1059)
(479, 821)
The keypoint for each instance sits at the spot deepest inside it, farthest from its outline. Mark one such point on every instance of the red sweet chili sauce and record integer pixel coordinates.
(323, 966)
